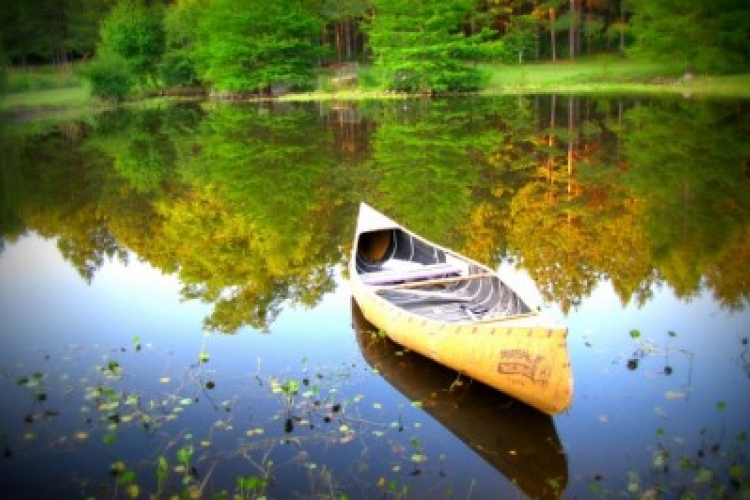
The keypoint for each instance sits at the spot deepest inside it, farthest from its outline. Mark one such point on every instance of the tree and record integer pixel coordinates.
(421, 47)
(55, 31)
(707, 35)
(135, 32)
(251, 45)
(181, 24)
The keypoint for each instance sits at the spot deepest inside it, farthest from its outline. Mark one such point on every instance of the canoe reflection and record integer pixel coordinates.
(519, 441)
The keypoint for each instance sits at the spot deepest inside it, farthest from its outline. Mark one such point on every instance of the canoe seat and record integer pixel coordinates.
(413, 272)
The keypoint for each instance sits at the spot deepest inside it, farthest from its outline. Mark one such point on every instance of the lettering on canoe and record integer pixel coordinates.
(520, 361)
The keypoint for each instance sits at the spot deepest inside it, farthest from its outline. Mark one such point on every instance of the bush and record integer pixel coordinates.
(177, 70)
(110, 77)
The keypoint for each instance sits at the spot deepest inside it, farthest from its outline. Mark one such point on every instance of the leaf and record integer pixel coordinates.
(133, 491)
(736, 471)
(704, 475)
(635, 334)
(675, 394)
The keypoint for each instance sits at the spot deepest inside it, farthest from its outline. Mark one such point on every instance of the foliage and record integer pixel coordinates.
(135, 32)
(421, 48)
(181, 31)
(109, 76)
(251, 45)
(705, 35)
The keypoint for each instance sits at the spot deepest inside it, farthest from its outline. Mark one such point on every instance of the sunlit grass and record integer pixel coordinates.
(609, 75)
(53, 97)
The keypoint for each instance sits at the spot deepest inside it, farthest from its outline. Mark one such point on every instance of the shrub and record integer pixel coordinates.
(109, 76)
(177, 69)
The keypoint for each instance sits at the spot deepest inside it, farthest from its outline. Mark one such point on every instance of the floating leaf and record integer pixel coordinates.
(736, 471)
(418, 458)
(660, 458)
(127, 477)
(346, 439)
(635, 334)
(81, 436)
(117, 468)
(704, 475)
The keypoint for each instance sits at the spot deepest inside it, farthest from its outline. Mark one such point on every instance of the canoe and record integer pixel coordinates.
(457, 312)
(519, 441)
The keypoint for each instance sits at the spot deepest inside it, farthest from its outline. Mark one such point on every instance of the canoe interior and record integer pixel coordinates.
(429, 281)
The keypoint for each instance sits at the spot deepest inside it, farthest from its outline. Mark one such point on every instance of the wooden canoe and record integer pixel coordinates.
(458, 313)
(517, 440)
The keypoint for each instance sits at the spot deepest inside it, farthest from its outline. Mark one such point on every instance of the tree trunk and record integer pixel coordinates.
(572, 31)
(552, 33)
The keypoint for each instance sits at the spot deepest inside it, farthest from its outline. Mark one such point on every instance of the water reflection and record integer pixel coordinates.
(520, 442)
(624, 213)
(251, 205)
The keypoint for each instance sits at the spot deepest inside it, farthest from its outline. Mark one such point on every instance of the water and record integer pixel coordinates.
(175, 318)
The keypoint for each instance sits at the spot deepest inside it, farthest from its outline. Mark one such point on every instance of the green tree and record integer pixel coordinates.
(135, 32)
(252, 45)
(709, 35)
(55, 31)
(421, 47)
(181, 24)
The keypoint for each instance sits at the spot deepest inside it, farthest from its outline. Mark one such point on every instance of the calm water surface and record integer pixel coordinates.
(175, 318)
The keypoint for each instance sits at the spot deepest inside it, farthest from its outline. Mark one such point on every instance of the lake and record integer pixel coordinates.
(176, 318)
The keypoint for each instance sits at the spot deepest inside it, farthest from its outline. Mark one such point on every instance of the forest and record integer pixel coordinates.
(254, 46)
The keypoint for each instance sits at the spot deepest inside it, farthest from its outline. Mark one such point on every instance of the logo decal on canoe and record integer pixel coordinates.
(535, 367)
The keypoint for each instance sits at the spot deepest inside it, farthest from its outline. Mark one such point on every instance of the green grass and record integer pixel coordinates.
(54, 97)
(608, 75)
(34, 78)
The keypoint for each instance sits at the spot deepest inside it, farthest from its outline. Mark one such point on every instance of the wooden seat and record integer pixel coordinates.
(412, 273)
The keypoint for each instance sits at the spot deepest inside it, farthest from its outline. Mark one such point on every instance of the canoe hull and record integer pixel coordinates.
(524, 355)
(517, 440)
(527, 362)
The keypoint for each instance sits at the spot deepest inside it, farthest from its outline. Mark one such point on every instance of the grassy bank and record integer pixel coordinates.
(44, 93)
(610, 75)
